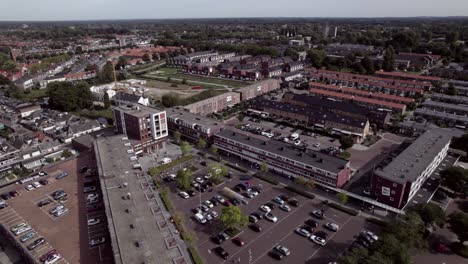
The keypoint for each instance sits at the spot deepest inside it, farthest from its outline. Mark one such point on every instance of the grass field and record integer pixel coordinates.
(174, 74)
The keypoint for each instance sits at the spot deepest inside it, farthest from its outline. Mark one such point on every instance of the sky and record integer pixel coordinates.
(52, 10)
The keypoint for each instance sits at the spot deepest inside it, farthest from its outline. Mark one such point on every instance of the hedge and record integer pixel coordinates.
(214, 158)
(376, 221)
(236, 167)
(154, 171)
(266, 178)
(166, 200)
(300, 192)
(344, 209)
(195, 256)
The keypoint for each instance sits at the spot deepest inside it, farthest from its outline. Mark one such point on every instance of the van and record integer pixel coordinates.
(200, 218)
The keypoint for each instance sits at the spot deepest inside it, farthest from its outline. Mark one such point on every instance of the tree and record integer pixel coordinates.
(184, 81)
(430, 213)
(170, 100)
(346, 142)
(461, 143)
(218, 172)
(214, 150)
(146, 57)
(368, 65)
(300, 180)
(459, 225)
(67, 153)
(65, 96)
(185, 147)
(201, 143)
(177, 136)
(183, 179)
(455, 178)
(316, 57)
(310, 184)
(451, 90)
(264, 167)
(106, 75)
(389, 59)
(107, 102)
(240, 117)
(343, 197)
(231, 217)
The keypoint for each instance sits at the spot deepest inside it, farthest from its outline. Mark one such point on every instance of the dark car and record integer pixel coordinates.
(47, 255)
(284, 197)
(276, 255)
(62, 175)
(245, 178)
(13, 193)
(44, 202)
(311, 222)
(293, 202)
(84, 169)
(191, 192)
(36, 243)
(258, 215)
(235, 202)
(238, 241)
(93, 207)
(321, 234)
(257, 189)
(44, 182)
(214, 201)
(271, 205)
(220, 238)
(5, 196)
(221, 252)
(255, 227)
(203, 163)
(308, 228)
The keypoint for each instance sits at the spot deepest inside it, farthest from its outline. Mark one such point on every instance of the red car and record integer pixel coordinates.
(238, 241)
(44, 257)
(93, 207)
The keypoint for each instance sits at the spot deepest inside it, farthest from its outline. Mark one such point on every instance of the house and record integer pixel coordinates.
(126, 98)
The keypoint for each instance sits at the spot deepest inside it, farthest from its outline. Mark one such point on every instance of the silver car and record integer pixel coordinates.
(27, 237)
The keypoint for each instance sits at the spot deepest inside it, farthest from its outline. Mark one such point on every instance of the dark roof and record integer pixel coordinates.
(122, 96)
(322, 116)
(309, 157)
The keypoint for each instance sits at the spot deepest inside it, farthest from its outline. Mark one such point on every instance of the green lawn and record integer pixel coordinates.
(32, 94)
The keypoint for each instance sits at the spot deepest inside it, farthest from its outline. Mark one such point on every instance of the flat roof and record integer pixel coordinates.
(407, 166)
(443, 115)
(180, 113)
(308, 157)
(451, 98)
(116, 168)
(137, 109)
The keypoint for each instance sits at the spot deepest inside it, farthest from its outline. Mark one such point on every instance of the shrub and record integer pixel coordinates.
(195, 256)
(376, 221)
(266, 178)
(300, 192)
(214, 158)
(236, 167)
(164, 194)
(154, 171)
(343, 209)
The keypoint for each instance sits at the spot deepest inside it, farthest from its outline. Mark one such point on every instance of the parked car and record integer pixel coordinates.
(61, 175)
(293, 202)
(271, 217)
(27, 237)
(265, 208)
(200, 218)
(253, 219)
(13, 193)
(271, 205)
(97, 241)
(184, 195)
(56, 208)
(47, 255)
(235, 202)
(5, 196)
(208, 203)
(311, 222)
(36, 184)
(255, 227)
(18, 226)
(319, 214)
(29, 187)
(303, 232)
(332, 226)
(276, 255)
(93, 221)
(283, 250)
(44, 202)
(36, 243)
(44, 182)
(221, 252)
(22, 230)
(191, 192)
(321, 234)
(238, 241)
(318, 240)
(285, 207)
(53, 259)
(61, 212)
(89, 189)
(93, 207)
(219, 198)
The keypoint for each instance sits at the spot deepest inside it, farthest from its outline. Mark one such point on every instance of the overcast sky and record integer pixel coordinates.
(128, 9)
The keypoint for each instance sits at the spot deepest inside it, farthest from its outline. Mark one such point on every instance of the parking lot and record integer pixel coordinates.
(68, 232)
(258, 245)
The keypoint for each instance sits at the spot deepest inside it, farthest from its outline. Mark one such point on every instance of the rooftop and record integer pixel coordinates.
(409, 165)
(180, 113)
(137, 110)
(443, 115)
(429, 103)
(115, 170)
(308, 157)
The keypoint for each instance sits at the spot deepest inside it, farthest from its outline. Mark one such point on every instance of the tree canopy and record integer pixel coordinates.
(65, 96)
(232, 217)
(455, 178)
(183, 179)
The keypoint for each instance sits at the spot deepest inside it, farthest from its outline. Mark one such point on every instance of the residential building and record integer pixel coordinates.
(396, 183)
(191, 126)
(259, 88)
(453, 99)
(214, 104)
(127, 98)
(456, 109)
(407, 76)
(146, 127)
(347, 49)
(284, 159)
(418, 61)
(442, 118)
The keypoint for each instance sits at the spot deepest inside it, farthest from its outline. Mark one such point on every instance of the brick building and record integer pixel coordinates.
(214, 104)
(258, 88)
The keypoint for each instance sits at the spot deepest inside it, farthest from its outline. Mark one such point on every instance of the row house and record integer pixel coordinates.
(272, 72)
(294, 66)
(214, 104)
(259, 88)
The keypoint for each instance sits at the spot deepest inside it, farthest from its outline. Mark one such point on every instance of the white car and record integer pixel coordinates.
(265, 208)
(283, 250)
(369, 233)
(303, 232)
(332, 226)
(208, 217)
(166, 160)
(93, 221)
(220, 198)
(317, 145)
(97, 241)
(199, 180)
(18, 226)
(208, 203)
(57, 208)
(92, 196)
(278, 200)
(53, 259)
(285, 207)
(252, 192)
(214, 214)
(208, 176)
(29, 187)
(22, 230)
(297, 143)
(271, 217)
(200, 218)
(184, 195)
(61, 212)
(36, 184)
(318, 240)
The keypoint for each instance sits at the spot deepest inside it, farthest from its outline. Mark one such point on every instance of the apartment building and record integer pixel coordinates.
(407, 76)
(453, 99)
(456, 109)
(258, 88)
(214, 104)
(191, 126)
(145, 127)
(283, 159)
(396, 183)
(442, 118)
(395, 108)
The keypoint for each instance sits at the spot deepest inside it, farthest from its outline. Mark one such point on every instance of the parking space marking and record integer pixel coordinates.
(349, 219)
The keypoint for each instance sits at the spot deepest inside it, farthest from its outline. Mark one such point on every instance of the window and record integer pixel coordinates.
(394, 185)
(392, 199)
